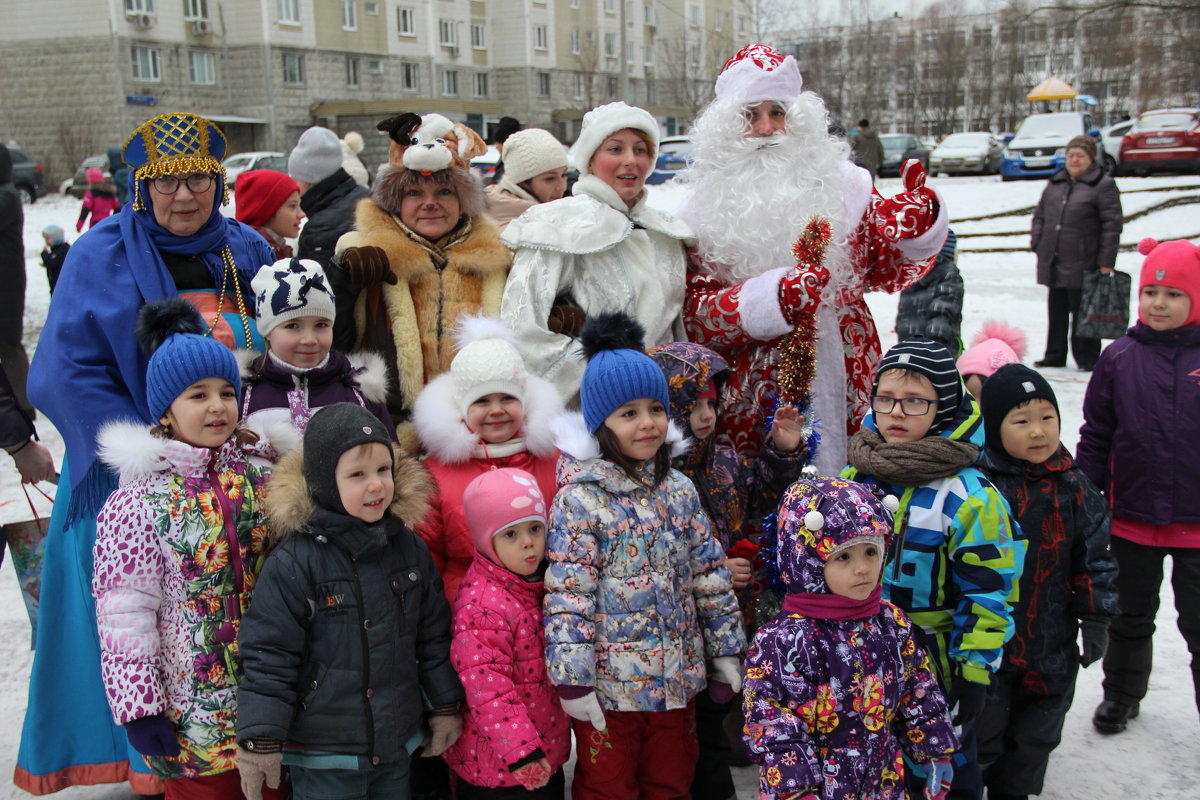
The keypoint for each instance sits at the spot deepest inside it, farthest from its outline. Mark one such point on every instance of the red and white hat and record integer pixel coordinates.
(759, 72)
(497, 500)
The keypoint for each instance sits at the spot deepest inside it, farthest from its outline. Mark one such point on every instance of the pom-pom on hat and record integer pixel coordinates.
(288, 289)
(1176, 264)
(498, 499)
(171, 332)
(602, 122)
(529, 153)
(934, 361)
(174, 143)
(759, 72)
(617, 370)
(259, 193)
(354, 141)
(488, 362)
(996, 344)
(332, 431)
(1006, 389)
(316, 156)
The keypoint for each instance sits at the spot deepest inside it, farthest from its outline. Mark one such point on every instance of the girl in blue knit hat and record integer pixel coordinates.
(637, 596)
(178, 548)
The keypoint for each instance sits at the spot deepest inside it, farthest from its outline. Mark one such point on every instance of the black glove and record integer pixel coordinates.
(367, 266)
(966, 699)
(1095, 641)
(152, 736)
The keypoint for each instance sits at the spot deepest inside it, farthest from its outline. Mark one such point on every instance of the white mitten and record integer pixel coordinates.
(729, 670)
(585, 709)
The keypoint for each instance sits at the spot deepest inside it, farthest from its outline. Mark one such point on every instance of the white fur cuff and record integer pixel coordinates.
(758, 306)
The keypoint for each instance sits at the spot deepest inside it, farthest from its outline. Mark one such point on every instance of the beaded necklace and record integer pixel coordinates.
(230, 271)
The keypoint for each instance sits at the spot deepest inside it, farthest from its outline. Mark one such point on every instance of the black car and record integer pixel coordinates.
(28, 175)
(898, 148)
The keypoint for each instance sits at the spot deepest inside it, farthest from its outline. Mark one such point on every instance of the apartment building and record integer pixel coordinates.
(81, 74)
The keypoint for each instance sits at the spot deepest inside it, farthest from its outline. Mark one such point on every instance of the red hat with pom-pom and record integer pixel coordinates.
(1176, 264)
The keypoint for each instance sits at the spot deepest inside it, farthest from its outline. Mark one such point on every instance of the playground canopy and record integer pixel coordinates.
(1051, 89)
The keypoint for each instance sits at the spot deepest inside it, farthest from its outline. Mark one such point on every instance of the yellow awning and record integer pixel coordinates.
(1051, 89)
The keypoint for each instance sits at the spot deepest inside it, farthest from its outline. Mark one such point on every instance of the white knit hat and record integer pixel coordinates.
(288, 289)
(602, 122)
(488, 362)
(531, 152)
(759, 72)
(316, 156)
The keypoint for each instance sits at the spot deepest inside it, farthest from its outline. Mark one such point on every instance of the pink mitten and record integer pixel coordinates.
(533, 775)
(910, 213)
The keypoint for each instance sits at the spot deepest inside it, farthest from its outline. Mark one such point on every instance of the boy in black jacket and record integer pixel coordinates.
(1068, 583)
(54, 253)
(349, 624)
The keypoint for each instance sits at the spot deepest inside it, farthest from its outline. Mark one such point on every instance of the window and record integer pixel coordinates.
(539, 37)
(139, 6)
(575, 41)
(406, 21)
(651, 93)
(447, 33)
(742, 24)
(694, 56)
(543, 84)
(145, 64)
(202, 68)
(610, 6)
(478, 35)
(722, 19)
(610, 45)
(410, 76)
(648, 55)
(578, 87)
(612, 87)
(574, 3)
(293, 69)
(195, 9)
(289, 12)
(480, 84)
(450, 82)
(1033, 64)
(353, 64)
(375, 66)
(648, 14)
(371, 7)
(694, 16)
(629, 52)
(349, 15)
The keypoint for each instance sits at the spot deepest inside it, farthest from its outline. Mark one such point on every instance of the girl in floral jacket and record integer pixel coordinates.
(178, 548)
(838, 689)
(637, 596)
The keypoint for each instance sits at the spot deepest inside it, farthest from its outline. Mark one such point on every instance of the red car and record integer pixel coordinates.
(1163, 139)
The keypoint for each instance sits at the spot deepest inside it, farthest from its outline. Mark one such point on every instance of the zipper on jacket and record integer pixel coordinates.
(364, 623)
(233, 608)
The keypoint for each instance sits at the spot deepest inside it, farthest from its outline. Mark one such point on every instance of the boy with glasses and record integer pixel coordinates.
(956, 555)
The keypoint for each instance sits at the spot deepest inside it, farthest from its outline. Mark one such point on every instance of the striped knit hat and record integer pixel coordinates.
(934, 361)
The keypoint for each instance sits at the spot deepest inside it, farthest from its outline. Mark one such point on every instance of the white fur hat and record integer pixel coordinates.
(759, 72)
(602, 122)
(531, 152)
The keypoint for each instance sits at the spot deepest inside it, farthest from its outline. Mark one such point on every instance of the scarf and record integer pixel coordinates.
(500, 449)
(437, 250)
(909, 463)
(820, 605)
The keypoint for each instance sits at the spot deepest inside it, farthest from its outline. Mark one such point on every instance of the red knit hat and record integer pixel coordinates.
(260, 193)
(1175, 264)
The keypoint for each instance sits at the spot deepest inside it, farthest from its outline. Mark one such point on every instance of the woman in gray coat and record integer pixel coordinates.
(1076, 228)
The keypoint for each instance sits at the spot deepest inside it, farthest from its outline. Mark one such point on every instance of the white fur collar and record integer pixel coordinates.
(276, 432)
(372, 381)
(574, 440)
(130, 449)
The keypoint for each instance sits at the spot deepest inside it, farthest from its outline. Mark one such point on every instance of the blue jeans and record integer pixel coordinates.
(374, 783)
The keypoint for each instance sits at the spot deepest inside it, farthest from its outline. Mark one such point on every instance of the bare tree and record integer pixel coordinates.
(588, 61)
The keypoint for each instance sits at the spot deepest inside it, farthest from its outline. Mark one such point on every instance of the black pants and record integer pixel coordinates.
(1020, 726)
(712, 780)
(1131, 635)
(1062, 312)
(554, 790)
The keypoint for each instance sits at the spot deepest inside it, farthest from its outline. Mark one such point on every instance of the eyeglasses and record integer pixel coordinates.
(196, 183)
(909, 406)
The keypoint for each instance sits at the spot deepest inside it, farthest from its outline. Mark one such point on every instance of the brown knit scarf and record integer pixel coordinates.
(909, 463)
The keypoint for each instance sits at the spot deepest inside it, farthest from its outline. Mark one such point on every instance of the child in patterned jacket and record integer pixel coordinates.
(838, 688)
(515, 734)
(178, 550)
(637, 596)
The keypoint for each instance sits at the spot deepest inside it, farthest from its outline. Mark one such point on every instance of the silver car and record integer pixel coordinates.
(975, 151)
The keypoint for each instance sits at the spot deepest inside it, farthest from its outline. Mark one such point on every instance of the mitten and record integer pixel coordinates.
(1095, 641)
(729, 670)
(79, 225)
(446, 728)
(256, 768)
(965, 700)
(533, 775)
(152, 736)
(367, 266)
(910, 213)
(585, 709)
(939, 778)
(800, 290)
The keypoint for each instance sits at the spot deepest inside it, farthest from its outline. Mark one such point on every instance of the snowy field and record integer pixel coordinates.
(1157, 758)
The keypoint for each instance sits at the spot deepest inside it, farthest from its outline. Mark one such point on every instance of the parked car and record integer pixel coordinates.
(1110, 138)
(673, 154)
(898, 148)
(244, 162)
(484, 166)
(1163, 139)
(1039, 149)
(28, 175)
(975, 151)
(79, 183)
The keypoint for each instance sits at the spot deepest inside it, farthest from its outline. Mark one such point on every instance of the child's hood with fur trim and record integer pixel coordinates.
(581, 458)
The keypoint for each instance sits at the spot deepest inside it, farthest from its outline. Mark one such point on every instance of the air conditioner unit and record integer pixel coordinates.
(375, 66)
(201, 27)
(142, 19)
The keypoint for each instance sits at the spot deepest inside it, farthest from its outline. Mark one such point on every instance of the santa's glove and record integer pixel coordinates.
(728, 673)
(1095, 641)
(445, 730)
(800, 290)
(910, 213)
(153, 736)
(586, 709)
(367, 266)
(940, 775)
(533, 775)
(966, 699)
(258, 765)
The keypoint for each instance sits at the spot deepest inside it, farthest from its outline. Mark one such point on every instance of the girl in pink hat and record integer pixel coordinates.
(100, 200)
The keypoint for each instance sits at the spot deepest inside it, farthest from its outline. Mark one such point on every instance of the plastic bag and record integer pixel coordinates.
(1103, 306)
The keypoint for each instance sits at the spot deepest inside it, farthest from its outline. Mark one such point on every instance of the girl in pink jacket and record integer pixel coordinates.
(515, 732)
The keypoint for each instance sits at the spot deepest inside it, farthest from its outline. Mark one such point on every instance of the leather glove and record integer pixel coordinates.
(256, 769)
(446, 728)
(533, 775)
(367, 266)
(938, 779)
(728, 670)
(966, 700)
(585, 709)
(910, 213)
(1095, 641)
(153, 736)
(566, 319)
(800, 290)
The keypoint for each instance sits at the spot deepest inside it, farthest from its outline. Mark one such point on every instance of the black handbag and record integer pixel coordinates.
(1103, 305)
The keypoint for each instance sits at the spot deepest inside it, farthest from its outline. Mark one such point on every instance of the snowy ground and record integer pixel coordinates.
(1158, 758)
